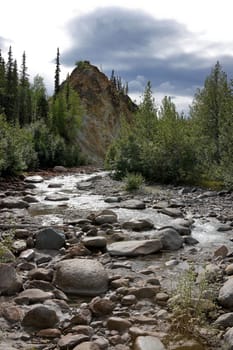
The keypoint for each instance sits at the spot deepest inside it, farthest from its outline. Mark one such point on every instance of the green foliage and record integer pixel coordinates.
(158, 144)
(133, 181)
(16, 149)
(82, 64)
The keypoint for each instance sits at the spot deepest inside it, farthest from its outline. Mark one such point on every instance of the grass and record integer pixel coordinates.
(133, 182)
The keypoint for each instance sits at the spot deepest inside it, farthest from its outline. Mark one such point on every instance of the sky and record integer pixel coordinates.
(171, 43)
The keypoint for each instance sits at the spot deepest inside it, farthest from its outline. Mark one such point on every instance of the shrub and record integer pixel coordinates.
(133, 181)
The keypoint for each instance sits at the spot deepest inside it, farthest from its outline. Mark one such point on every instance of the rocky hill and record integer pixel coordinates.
(104, 105)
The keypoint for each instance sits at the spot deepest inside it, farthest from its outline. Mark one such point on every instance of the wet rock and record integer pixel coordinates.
(225, 320)
(101, 306)
(112, 199)
(118, 323)
(138, 225)
(55, 185)
(221, 251)
(32, 296)
(12, 313)
(82, 317)
(102, 342)
(128, 300)
(133, 204)
(19, 246)
(81, 277)
(229, 270)
(84, 185)
(134, 248)
(30, 199)
(189, 240)
(69, 341)
(105, 219)
(228, 339)
(77, 250)
(49, 238)
(144, 292)
(60, 169)
(148, 343)
(226, 295)
(182, 230)
(41, 274)
(27, 254)
(56, 197)
(170, 239)
(34, 179)
(49, 333)
(10, 282)
(98, 242)
(40, 317)
(88, 345)
(173, 212)
(13, 203)
(22, 233)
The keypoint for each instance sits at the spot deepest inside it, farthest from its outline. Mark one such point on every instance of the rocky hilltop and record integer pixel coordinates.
(104, 105)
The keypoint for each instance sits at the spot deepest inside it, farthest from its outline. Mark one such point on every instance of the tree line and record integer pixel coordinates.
(36, 130)
(166, 146)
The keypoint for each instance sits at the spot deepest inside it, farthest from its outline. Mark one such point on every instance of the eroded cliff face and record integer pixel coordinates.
(104, 106)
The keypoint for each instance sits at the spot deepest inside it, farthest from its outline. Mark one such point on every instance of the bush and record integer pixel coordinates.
(133, 181)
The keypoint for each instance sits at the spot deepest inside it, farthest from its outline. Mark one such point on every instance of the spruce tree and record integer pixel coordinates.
(25, 108)
(57, 74)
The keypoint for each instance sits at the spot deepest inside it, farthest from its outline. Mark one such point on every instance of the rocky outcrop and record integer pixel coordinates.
(104, 106)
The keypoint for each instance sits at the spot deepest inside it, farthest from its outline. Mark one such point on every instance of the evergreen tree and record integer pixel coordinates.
(11, 88)
(208, 111)
(25, 104)
(40, 106)
(2, 83)
(57, 74)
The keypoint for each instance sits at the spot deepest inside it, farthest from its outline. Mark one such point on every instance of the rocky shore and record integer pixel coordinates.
(85, 265)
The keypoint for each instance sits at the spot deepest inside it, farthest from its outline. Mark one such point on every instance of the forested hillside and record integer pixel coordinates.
(37, 130)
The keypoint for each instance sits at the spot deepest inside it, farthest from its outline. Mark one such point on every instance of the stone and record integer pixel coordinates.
(40, 317)
(30, 199)
(228, 339)
(118, 323)
(148, 343)
(13, 203)
(27, 254)
(19, 245)
(144, 292)
(69, 341)
(221, 251)
(225, 320)
(173, 212)
(128, 300)
(10, 282)
(82, 317)
(88, 345)
(60, 169)
(56, 197)
(170, 239)
(98, 242)
(32, 296)
(112, 199)
(49, 333)
(105, 219)
(34, 179)
(226, 294)
(81, 277)
(49, 238)
(41, 274)
(189, 240)
(101, 306)
(133, 204)
(229, 270)
(134, 248)
(12, 313)
(138, 225)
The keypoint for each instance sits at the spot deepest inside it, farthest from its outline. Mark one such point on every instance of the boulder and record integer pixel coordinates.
(68, 341)
(81, 277)
(170, 239)
(49, 238)
(40, 317)
(13, 203)
(228, 339)
(34, 179)
(32, 296)
(138, 225)
(225, 320)
(226, 294)
(10, 282)
(134, 248)
(133, 204)
(148, 343)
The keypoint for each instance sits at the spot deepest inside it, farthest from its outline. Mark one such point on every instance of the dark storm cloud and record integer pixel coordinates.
(141, 48)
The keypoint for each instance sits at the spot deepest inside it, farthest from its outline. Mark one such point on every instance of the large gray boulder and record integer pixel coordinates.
(40, 317)
(134, 248)
(81, 277)
(138, 225)
(13, 203)
(48, 238)
(170, 238)
(10, 282)
(226, 294)
(228, 339)
(148, 343)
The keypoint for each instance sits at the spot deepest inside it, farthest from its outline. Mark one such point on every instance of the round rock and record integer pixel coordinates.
(81, 277)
